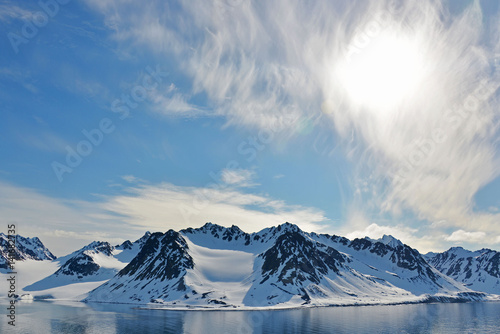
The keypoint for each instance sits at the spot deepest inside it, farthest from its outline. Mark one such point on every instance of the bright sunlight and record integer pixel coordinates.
(386, 71)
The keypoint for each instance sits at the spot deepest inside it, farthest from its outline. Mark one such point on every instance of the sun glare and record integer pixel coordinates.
(383, 73)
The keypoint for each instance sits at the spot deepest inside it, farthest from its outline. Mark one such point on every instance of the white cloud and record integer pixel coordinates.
(165, 206)
(35, 214)
(423, 239)
(238, 177)
(463, 236)
(375, 231)
(132, 179)
(65, 225)
(87, 237)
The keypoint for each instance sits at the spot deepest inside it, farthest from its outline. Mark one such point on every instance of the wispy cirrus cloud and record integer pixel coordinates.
(171, 102)
(427, 151)
(10, 11)
(238, 177)
(45, 141)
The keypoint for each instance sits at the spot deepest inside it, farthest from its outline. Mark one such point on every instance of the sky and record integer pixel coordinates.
(356, 118)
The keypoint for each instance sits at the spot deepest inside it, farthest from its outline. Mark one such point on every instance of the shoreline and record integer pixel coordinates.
(233, 308)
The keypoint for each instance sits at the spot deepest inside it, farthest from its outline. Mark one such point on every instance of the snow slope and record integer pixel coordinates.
(74, 275)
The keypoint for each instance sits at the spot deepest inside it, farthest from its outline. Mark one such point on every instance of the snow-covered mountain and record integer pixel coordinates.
(98, 261)
(392, 261)
(160, 266)
(25, 249)
(279, 266)
(479, 270)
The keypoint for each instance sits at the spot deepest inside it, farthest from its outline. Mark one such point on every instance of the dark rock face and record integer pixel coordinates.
(163, 256)
(380, 249)
(126, 245)
(82, 264)
(220, 232)
(492, 266)
(300, 259)
(409, 258)
(360, 244)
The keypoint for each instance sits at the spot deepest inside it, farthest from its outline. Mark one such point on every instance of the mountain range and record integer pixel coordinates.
(479, 270)
(95, 262)
(26, 249)
(282, 266)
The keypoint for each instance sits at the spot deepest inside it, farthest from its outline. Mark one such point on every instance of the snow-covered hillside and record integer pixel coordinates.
(479, 270)
(25, 249)
(97, 262)
(282, 266)
(390, 260)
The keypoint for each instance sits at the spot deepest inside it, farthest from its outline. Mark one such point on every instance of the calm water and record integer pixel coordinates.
(51, 317)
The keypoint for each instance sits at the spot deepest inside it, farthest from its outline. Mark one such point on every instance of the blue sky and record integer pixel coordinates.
(360, 119)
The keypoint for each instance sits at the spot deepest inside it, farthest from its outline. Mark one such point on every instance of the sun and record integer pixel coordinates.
(386, 71)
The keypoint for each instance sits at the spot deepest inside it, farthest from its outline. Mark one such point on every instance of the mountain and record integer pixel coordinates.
(388, 240)
(157, 271)
(280, 266)
(25, 249)
(479, 270)
(392, 261)
(98, 261)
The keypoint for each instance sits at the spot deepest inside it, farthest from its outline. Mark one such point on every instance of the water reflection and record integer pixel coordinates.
(55, 317)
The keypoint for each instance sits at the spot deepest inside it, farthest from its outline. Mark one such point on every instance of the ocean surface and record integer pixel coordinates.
(60, 317)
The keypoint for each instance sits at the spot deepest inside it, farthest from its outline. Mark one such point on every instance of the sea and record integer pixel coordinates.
(74, 317)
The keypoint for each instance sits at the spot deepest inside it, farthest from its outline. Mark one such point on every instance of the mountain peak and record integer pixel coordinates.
(484, 250)
(294, 259)
(389, 240)
(288, 227)
(127, 244)
(210, 225)
(235, 228)
(460, 251)
(25, 249)
(99, 247)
